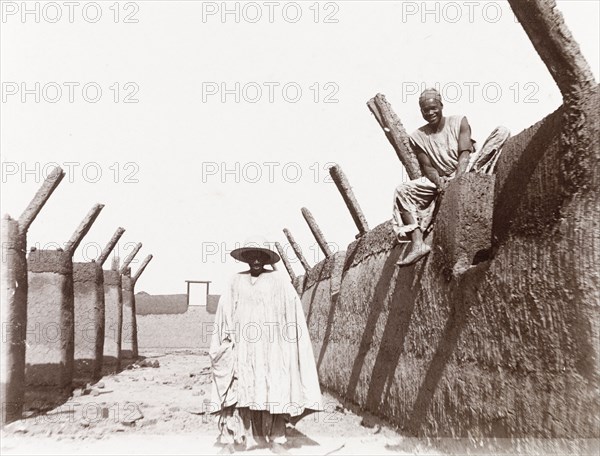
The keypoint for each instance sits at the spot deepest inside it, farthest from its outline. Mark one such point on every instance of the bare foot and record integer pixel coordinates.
(414, 255)
(278, 448)
(227, 449)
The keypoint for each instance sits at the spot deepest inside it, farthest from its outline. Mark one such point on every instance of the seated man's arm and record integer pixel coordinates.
(427, 168)
(465, 146)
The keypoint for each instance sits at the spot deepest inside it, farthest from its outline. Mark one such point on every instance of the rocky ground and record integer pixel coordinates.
(155, 406)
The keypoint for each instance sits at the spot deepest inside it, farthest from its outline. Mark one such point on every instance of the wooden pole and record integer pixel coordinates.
(297, 249)
(139, 272)
(343, 186)
(395, 133)
(110, 246)
(286, 261)
(316, 231)
(40, 198)
(130, 257)
(83, 228)
(544, 25)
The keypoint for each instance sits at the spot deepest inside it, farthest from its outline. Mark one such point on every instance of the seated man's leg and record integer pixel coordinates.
(411, 202)
(485, 160)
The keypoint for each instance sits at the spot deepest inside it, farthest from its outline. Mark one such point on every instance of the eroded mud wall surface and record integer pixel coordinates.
(50, 328)
(321, 291)
(113, 321)
(88, 290)
(507, 348)
(129, 343)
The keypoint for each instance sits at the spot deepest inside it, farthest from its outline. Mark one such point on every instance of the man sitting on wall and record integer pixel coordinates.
(445, 151)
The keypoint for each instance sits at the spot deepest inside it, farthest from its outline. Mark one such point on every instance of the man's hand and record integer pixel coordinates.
(441, 184)
(229, 335)
(430, 172)
(463, 162)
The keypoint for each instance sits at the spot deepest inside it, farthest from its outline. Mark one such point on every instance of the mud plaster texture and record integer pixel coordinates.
(14, 319)
(463, 234)
(507, 348)
(113, 320)
(298, 283)
(50, 327)
(88, 286)
(129, 345)
(323, 281)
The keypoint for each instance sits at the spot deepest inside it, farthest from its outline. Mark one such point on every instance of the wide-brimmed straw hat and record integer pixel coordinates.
(255, 243)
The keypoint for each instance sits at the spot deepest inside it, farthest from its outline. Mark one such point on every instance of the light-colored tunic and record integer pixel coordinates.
(261, 352)
(418, 196)
(441, 147)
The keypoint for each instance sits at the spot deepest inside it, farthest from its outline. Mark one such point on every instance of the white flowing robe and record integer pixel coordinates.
(261, 352)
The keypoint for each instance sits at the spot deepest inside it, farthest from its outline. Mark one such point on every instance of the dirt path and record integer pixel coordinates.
(155, 410)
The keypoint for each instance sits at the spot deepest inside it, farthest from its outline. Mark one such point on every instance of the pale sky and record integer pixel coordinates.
(190, 174)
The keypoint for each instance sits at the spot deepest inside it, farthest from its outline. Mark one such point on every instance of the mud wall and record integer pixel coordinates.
(147, 304)
(129, 348)
(50, 327)
(113, 320)
(89, 314)
(508, 347)
(191, 329)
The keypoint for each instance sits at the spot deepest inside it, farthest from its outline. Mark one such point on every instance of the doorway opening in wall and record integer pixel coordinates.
(197, 292)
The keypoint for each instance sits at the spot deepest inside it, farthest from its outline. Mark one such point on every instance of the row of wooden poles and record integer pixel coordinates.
(78, 320)
(397, 136)
(63, 323)
(341, 181)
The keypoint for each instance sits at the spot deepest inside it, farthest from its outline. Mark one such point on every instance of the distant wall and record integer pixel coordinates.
(510, 347)
(212, 302)
(190, 329)
(147, 304)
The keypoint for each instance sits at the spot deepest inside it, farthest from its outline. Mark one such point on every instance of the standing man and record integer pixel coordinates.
(445, 151)
(264, 370)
